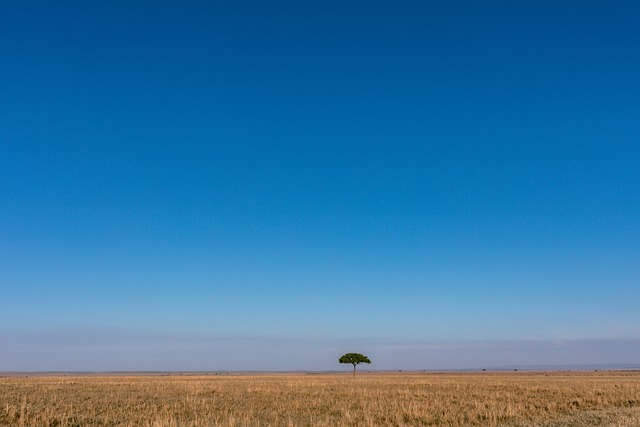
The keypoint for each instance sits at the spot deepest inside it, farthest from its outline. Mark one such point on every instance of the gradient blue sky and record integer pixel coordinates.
(267, 185)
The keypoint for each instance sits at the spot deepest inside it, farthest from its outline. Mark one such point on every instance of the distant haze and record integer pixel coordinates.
(126, 351)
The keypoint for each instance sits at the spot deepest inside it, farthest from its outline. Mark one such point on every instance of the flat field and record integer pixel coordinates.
(371, 399)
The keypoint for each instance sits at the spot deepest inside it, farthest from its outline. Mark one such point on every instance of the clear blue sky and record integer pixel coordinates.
(267, 185)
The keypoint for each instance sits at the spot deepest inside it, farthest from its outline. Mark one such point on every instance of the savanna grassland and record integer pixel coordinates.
(372, 399)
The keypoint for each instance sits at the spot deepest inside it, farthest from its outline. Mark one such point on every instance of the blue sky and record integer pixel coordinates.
(191, 185)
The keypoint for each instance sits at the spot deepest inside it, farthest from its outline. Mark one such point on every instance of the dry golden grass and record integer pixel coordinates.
(445, 399)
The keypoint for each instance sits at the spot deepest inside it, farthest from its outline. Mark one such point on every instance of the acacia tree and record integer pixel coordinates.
(354, 359)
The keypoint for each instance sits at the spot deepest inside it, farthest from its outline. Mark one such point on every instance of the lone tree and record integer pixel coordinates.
(354, 359)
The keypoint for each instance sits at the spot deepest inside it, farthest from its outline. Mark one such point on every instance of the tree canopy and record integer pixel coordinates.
(354, 359)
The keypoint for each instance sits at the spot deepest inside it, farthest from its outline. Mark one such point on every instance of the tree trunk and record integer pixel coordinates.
(354, 370)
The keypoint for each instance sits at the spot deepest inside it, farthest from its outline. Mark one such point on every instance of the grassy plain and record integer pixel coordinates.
(372, 399)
